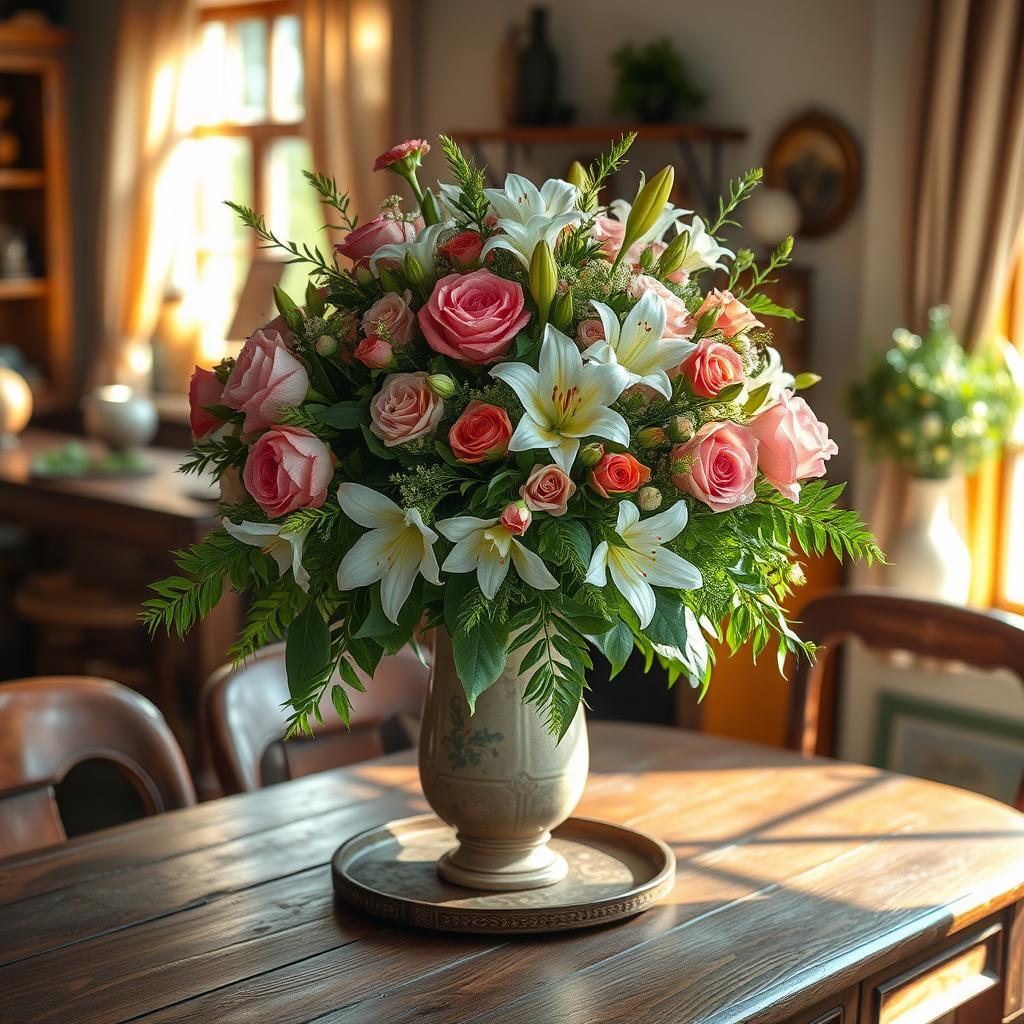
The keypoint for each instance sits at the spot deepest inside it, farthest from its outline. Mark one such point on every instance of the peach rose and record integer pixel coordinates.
(589, 333)
(204, 390)
(720, 466)
(266, 379)
(712, 366)
(361, 244)
(474, 317)
(547, 489)
(679, 324)
(286, 469)
(610, 233)
(481, 433)
(393, 313)
(618, 473)
(463, 250)
(405, 409)
(793, 444)
(373, 351)
(733, 317)
(516, 518)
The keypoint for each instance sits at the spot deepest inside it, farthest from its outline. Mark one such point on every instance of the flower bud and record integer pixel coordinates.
(414, 270)
(364, 276)
(681, 428)
(389, 281)
(651, 437)
(326, 345)
(647, 207)
(441, 384)
(562, 315)
(648, 498)
(673, 255)
(577, 175)
(647, 260)
(590, 454)
(516, 518)
(428, 207)
(543, 279)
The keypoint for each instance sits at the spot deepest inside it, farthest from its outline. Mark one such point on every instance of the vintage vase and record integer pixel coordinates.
(499, 777)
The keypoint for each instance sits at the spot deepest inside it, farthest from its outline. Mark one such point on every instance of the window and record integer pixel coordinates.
(247, 144)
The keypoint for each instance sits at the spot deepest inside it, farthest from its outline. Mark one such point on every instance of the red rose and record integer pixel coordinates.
(463, 250)
(482, 432)
(204, 390)
(618, 474)
(712, 366)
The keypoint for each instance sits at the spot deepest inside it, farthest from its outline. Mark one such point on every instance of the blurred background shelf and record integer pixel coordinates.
(16, 178)
(23, 287)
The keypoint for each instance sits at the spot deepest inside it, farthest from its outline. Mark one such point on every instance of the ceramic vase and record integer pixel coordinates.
(928, 557)
(498, 777)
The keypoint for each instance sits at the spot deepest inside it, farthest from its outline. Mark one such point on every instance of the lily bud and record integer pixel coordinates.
(651, 437)
(579, 177)
(590, 454)
(291, 313)
(681, 428)
(647, 208)
(364, 276)
(805, 380)
(562, 315)
(648, 498)
(414, 270)
(441, 384)
(647, 260)
(543, 279)
(326, 345)
(674, 254)
(428, 207)
(389, 281)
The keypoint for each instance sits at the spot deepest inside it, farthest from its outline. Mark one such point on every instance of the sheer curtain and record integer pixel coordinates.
(359, 67)
(142, 189)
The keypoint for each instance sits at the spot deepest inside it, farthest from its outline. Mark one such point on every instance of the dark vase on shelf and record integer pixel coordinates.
(538, 74)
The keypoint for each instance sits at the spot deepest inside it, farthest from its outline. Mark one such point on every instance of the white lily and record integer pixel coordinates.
(641, 562)
(520, 200)
(488, 547)
(564, 400)
(620, 210)
(637, 345)
(521, 239)
(284, 548)
(398, 547)
(773, 374)
(423, 247)
(702, 251)
(447, 197)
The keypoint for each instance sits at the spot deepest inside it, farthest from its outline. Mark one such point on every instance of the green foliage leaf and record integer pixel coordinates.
(616, 644)
(480, 657)
(343, 415)
(308, 650)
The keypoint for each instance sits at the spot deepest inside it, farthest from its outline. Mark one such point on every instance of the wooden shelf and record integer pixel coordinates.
(22, 287)
(17, 178)
(558, 133)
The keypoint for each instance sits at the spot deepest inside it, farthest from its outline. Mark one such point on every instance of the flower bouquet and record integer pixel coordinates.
(522, 419)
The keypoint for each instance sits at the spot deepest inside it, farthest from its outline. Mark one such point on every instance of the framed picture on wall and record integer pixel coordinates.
(960, 747)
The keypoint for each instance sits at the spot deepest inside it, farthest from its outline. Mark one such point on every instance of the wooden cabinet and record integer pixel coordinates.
(35, 306)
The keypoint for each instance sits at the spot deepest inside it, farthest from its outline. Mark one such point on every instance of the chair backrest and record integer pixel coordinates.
(244, 717)
(886, 621)
(50, 725)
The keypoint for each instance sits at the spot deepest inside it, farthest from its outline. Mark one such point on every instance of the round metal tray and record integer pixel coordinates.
(391, 871)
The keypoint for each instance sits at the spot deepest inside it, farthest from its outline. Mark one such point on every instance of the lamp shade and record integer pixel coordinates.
(15, 406)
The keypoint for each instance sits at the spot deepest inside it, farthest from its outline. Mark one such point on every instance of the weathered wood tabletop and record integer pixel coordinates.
(806, 890)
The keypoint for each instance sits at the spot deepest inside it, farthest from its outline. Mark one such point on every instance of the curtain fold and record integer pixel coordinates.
(359, 92)
(138, 203)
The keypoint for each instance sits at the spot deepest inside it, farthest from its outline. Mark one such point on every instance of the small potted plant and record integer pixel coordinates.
(938, 412)
(652, 84)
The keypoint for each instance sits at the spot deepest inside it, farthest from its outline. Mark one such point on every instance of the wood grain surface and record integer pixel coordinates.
(797, 880)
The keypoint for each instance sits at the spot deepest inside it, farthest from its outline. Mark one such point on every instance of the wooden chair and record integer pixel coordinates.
(886, 621)
(50, 725)
(243, 718)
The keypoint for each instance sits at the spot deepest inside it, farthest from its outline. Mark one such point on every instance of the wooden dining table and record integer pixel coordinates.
(806, 891)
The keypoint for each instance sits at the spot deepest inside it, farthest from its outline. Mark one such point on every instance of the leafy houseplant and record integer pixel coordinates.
(513, 417)
(651, 83)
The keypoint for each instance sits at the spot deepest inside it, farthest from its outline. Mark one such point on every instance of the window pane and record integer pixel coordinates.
(208, 81)
(230, 82)
(286, 103)
(224, 171)
(293, 211)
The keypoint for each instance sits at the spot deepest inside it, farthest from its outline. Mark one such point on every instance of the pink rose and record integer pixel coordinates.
(679, 324)
(405, 409)
(611, 233)
(203, 390)
(474, 317)
(547, 489)
(266, 379)
(412, 151)
(463, 250)
(589, 333)
(618, 473)
(288, 468)
(712, 366)
(720, 466)
(392, 311)
(482, 432)
(373, 351)
(733, 317)
(516, 518)
(793, 444)
(361, 244)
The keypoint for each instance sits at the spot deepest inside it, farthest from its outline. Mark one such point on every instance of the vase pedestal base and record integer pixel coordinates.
(395, 871)
(503, 865)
